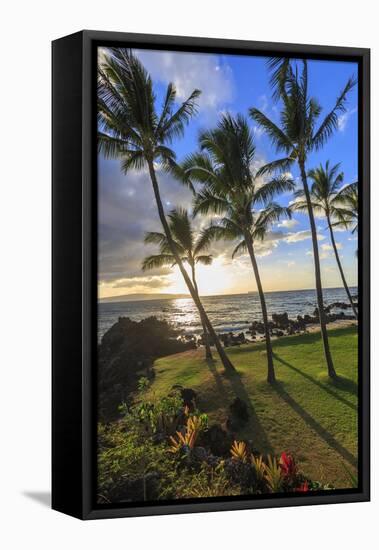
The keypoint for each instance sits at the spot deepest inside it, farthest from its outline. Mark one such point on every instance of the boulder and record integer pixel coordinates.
(218, 440)
(239, 415)
(187, 394)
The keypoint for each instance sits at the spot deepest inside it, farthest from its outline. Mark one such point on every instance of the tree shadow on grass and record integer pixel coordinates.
(218, 379)
(314, 425)
(345, 384)
(340, 383)
(258, 432)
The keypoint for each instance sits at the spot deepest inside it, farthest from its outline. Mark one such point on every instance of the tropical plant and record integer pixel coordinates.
(288, 466)
(232, 192)
(273, 474)
(324, 193)
(186, 441)
(296, 137)
(239, 451)
(189, 247)
(131, 129)
(259, 467)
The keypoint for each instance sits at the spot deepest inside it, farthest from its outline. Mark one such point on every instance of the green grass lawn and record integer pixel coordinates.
(304, 413)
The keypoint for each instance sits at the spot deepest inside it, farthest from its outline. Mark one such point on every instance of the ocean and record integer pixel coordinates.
(228, 313)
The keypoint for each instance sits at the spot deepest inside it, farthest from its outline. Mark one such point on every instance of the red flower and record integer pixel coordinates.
(288, 465)
(304, 488)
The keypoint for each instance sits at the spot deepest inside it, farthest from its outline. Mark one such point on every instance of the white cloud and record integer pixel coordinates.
(288, 224)
(327, 251)
(188, 71)
(258, 131)
(300, 236)
(263, 103)
(344, 118)
(327, 247)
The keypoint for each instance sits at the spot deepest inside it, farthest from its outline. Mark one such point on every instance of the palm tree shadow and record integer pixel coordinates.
(258, 432)
(211, 363)
(345, 384)
(340, 383)
(314, 425)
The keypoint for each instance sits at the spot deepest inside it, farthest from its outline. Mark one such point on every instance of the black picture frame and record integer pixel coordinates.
(74, 272)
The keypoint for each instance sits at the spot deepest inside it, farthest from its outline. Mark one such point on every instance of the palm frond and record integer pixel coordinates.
(174, 126)
(181, 229)
(157, 261)
(153, 237)
(206, 202)
(279, 165)
(271, 214)
(109, 146)
(275, 186)
(241, 248)
(134, 160)
(330, 122)
(204, 259)
(278, 67)
(278, 138)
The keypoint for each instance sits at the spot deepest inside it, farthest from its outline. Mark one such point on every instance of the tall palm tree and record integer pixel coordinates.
(324, 190)
(131, 129)
(190, 248)
(296, 137)
(230, 189)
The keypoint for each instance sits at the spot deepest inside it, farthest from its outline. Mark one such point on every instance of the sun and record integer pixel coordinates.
(214, 279)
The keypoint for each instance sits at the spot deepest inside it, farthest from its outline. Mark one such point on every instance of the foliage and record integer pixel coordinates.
(238, 451)
(130, 127)
(189, 246)
(185, 442)
(258, 466)
(143, 383)
(139, 460)
(162, 416)
(273, 474)
(322, 411)
(210, 481)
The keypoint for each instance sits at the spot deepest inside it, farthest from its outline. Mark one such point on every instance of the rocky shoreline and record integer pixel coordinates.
(281, 325)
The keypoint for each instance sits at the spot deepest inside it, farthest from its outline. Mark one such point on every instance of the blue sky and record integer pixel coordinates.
(233, 84)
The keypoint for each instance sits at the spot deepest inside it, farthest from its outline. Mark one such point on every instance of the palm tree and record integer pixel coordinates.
(347, 207)
(296, 137)
(230, 189)
(131, 129)
(190, 248)
(324, 196)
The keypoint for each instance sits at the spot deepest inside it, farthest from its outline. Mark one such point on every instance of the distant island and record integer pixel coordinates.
(140, 297)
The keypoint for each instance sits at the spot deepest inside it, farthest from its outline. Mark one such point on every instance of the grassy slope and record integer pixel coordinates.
(304, 413)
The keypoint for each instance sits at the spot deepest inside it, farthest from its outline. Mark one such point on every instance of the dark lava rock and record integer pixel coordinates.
(200, 454)
(126, 353)
(239, 415)
(187, 394)
(281, 320)
(218, 440)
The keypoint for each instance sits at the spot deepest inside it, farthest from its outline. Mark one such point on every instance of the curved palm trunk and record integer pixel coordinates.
(320, 301)
(208, 352)
(270, 362)
(340, 268)
(224, 358)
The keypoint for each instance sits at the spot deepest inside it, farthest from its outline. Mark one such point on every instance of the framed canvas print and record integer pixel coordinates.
(210, 275)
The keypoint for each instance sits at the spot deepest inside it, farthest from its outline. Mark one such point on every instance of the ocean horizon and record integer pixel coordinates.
(227, 312)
